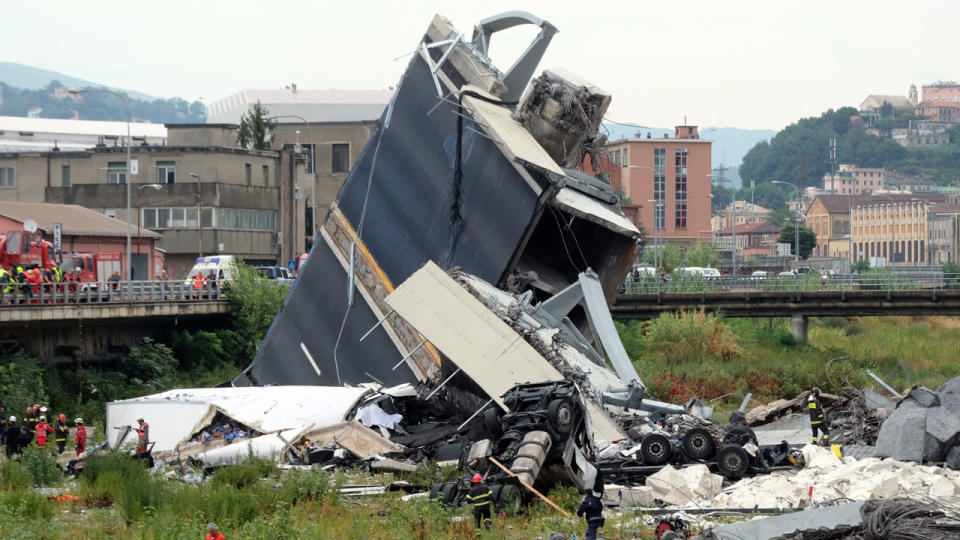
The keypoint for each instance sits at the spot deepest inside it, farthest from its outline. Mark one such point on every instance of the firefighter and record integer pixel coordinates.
(143, 436)
(43, 432)
(80, 438)
(22, 280)
(30, 418)
(60, 432)
(816, 417)
(479, 497)
(6, 280)
(10, 436)
(591, 509)
(198, 283)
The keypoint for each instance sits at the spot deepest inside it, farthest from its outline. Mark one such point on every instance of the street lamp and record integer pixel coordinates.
(657, 233)
(126, 106)
(796, 225)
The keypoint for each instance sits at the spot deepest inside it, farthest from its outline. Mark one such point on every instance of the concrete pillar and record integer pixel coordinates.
(798, 325)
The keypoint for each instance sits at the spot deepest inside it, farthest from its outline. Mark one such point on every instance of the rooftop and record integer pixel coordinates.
(18, 124)
(75, 220)
(332, 105)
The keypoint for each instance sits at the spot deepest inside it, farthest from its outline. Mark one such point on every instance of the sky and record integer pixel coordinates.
(745, 64)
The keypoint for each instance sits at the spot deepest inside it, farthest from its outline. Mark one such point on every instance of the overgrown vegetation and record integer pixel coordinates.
(680, 356)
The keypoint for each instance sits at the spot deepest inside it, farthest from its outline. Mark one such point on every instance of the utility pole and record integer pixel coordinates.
(719, 174)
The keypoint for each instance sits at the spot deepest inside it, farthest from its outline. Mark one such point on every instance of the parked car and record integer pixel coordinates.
(759, 273)
(279, 273)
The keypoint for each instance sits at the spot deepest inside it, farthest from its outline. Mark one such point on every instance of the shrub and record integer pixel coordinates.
(27, 504)
(21, 381)
(41, 465)
(689, 337)
(243, 474)
(301, 486)
(14, 476)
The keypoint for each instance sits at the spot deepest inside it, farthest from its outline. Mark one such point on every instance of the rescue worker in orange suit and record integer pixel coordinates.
(213, 532)
(816, 417)
(60, 432)
(198, 282)
(143, 436)
(479, 496)
(80, 438)
(43, 432)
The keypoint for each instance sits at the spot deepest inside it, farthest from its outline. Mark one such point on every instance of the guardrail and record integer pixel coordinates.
(879, 281)
(27, 294)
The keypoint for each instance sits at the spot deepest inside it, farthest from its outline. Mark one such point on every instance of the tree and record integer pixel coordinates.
(808, 239)
(254, 303)
(256, 128)
(671, 256)
(704, 255)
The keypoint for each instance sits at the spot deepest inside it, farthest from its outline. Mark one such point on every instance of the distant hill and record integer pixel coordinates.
(729, 144)
(31, 78)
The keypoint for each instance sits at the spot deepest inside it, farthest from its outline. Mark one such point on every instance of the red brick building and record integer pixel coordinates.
(672, 172)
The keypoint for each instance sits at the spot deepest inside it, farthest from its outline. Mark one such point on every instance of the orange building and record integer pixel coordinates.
(672, 172)
(941, 102)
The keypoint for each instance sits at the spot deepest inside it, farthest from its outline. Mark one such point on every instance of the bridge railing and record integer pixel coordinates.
(27, 294)
(882, 281)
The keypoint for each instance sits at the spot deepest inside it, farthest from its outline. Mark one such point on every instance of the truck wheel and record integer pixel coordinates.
(510, 500)
(560, 414)
(655, 449)
(739, 435)
(491, 420)
(733, 461)
(449, 494)
(699, 445)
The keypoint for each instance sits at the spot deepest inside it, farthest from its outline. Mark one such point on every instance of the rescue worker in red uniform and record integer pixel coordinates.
(213, 532)
(143, 436)
(43, 432)
(479, 497)
(80, 438)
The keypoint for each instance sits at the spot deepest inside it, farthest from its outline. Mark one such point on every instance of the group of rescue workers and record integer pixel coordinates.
(205, 283)
(591, 508)
(34, 428)
(29, 281)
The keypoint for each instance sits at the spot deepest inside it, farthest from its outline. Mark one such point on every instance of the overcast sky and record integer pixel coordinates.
(743, 64)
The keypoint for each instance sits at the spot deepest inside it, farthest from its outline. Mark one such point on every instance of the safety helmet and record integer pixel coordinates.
(43, 409)
(78, 421)
(36, 405)
(62, 417)
(19, 269)
(477, 479)
(43, 418)
(815, 391)
(13, 419)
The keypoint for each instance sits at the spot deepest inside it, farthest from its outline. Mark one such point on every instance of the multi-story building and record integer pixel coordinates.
(924, 134)
(744, 211)
(874, 103)
(752, 240)
(944, 222)
(941, 102)
(850, 179)
(893, 227)
(829, 218)
(671, 177)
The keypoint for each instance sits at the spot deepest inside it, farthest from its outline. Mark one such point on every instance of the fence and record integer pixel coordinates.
(23, 294)
(877, 280)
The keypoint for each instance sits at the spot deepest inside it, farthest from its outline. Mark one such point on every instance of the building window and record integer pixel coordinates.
(341, 158)
(309, 158)
(680, 187)
(659, 186)
(266, 175)
(166, 173)
(117, 172)
(681, 215)
(176, 218)
(626, 161)
(65, 175)
(616, 157)
(8, 177)
(248, 173)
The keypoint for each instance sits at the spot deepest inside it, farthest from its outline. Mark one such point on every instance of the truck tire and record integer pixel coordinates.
(739, 435)
(491, 420)
(560, 414)
(698, 444)
(655, 449)
(733, 461)
(510, 500)
(449, 493)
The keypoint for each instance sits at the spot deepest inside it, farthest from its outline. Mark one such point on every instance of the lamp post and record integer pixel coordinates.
(796, 225)
(126, 106)
(657, 233)
(199, 216)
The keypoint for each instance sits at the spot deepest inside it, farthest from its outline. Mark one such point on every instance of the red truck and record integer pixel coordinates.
(94, 267)
(17, 249)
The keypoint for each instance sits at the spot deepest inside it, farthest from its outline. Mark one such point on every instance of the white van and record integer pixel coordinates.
(222, 266)
(700, 271)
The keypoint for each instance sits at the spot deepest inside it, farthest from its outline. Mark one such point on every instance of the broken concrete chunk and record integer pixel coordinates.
(626, 496)
(682, 486)
(902, 435)
(923, 396)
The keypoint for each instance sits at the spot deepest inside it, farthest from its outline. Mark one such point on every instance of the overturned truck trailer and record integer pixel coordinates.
(468, 168)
